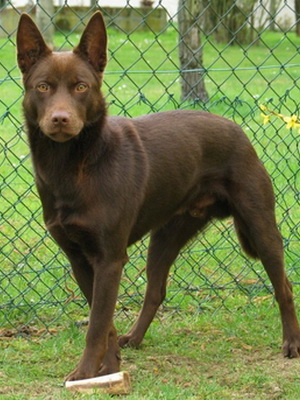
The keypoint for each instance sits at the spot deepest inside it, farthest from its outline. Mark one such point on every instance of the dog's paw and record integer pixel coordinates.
(79, 374)
(108, 369)
(129, 341)
(291, 347)
(111, 363)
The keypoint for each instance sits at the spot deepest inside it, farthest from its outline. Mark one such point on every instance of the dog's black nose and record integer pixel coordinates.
(61, 118)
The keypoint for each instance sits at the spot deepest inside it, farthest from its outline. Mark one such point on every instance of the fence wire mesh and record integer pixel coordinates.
(226, 57)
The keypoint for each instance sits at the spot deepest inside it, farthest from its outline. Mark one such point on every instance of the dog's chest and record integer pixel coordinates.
(61, 211)
(61, 198)
(68, 218)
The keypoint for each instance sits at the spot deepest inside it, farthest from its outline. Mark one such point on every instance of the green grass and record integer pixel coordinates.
(197, 354)
(212, 357)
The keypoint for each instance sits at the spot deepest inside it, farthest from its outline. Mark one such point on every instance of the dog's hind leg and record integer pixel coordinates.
(164, 247)
(256, 226)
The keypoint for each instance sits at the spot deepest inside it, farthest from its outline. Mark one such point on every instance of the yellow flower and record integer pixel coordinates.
(266, 118)
(291, 122)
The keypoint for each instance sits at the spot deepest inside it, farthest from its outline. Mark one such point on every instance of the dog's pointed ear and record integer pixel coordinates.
(30, 44)
(92, 45)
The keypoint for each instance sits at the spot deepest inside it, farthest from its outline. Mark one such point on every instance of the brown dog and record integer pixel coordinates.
(106, 181)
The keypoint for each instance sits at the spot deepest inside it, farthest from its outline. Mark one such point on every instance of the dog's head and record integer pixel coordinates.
(62, 90)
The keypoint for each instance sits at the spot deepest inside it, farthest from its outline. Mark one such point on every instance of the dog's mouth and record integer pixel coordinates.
(61, 136)
(61, 126)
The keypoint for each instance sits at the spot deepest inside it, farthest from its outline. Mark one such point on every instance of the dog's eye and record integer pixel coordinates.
(43, 87)
(81, 87)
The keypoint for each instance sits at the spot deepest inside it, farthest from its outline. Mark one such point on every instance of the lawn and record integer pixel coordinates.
(187, 356)
(211, 349)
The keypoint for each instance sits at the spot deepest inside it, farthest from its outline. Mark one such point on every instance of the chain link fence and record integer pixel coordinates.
(227, 57)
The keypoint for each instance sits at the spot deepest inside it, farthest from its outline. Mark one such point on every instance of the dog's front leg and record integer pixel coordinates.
(101, 340)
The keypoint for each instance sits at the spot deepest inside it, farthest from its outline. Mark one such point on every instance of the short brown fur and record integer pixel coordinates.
(106, 181)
